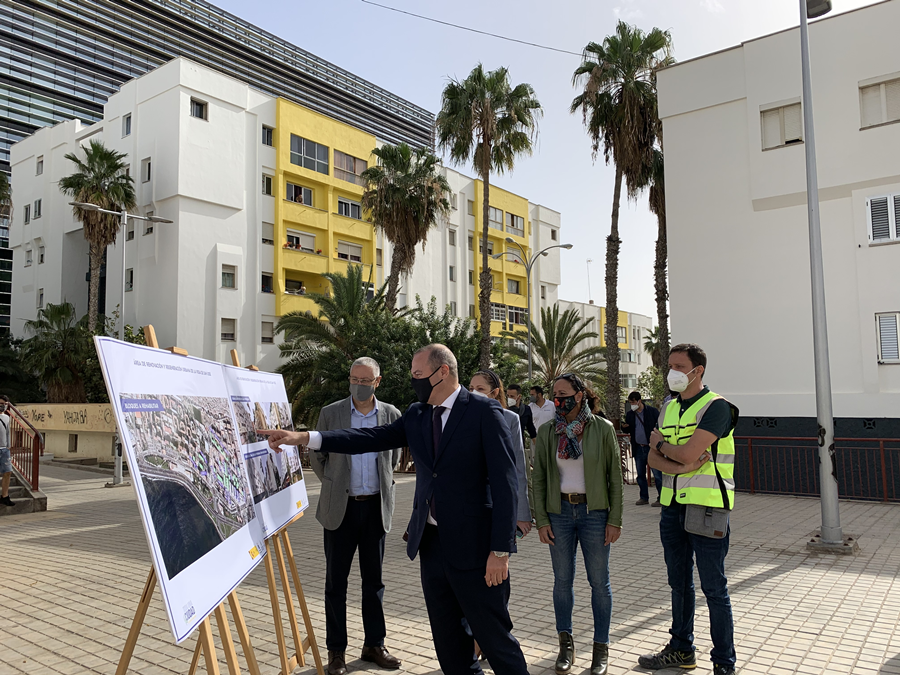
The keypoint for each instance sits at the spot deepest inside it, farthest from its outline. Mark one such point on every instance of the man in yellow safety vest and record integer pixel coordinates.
(694, 448)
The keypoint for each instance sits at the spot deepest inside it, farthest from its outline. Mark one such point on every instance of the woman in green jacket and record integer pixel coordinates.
(578, 498)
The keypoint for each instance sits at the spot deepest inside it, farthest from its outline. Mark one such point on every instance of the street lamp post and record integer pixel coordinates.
(529, 263)
(590, 297)
(124, 217)
(831, 536)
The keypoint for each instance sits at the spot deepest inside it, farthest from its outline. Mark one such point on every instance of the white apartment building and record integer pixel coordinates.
(632, 329)
(192, 137)
(737, 218)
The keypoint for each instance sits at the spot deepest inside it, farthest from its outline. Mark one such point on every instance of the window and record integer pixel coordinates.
(453, 201)
(40, 255)
(145, 171)
(879, 103)
(294, 287)
(471, 243)
(627, 356)
(40, 298)
(27, 211)
(471, 311)
(622, 333)
(309, 155)
(28, 259)
(512, 286)
(126, 125)
(451, 237)
(39, 166)
(378, 257)
(470, 206)
(198, 109)
(543, 292)
(498, 312)
(515, 224)
(495, 218)
(267, 332)
(884, 218)
(782, 126)
(267, 185)
(228, 330)
(629, 381)
(888, 343)
(129, 279)
(453, 308)
(349, 209)
(268, 285)
(299, 194)
(301, 241)
(517, 315)
(348, 251)
(73, 442)
(129, 231)
(349, 168)
(148, 228)
(490, 247)
(452, 273)
(228, 276)
(552, 234)
(268, 134)
(471, 277)
(268, 233)
(37, 208)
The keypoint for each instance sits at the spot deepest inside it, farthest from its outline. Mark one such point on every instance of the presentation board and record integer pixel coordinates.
(187, 455)
(259, 401)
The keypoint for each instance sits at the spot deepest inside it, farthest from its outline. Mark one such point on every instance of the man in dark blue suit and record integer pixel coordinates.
(463, 522)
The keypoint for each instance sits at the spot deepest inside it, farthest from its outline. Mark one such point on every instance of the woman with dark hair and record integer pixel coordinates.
(578, 498)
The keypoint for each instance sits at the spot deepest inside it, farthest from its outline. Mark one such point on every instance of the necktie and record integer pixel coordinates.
(437, 427)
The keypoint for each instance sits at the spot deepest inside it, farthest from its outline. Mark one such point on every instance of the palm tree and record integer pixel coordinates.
(618, 105)
(5, 198)
(100, 179)
(652, 347)
(558, 346)
(406, 195)
(657, 203)
(488, 121)
(56, 352)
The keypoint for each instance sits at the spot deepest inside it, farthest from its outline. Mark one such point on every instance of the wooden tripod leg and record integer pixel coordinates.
(301, 598)
(195, 660)
(136, 624)
(227, 642)
(276, 611)
(209, 649)
(244, 635)
(289, 602)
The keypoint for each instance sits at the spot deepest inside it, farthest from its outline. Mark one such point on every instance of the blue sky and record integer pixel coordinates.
(414, 58)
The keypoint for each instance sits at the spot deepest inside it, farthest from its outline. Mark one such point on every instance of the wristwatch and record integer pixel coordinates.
(501, 554)
(659, 446)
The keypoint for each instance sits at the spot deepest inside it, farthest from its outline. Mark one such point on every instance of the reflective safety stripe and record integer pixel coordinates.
(702, 480)
(668, 481)
(724, 459)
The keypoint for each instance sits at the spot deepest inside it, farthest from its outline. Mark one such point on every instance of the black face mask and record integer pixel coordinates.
(565, 404)
(423, 387)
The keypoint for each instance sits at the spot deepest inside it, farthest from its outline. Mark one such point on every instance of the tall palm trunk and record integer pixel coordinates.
(486, 281)
(662, 295)
(613, 243)
(390, 300)
(95, 260)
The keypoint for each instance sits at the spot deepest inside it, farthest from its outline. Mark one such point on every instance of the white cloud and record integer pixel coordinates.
(626, 11)
(712, 6)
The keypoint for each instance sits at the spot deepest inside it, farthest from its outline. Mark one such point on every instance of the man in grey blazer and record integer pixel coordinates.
(356, 503)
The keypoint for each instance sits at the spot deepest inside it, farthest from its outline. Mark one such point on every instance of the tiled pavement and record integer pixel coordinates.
(70, 579)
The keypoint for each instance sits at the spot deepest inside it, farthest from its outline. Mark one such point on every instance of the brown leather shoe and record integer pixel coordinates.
(380, 657)
(336, 663)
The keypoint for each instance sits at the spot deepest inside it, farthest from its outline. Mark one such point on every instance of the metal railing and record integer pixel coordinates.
(26, 445)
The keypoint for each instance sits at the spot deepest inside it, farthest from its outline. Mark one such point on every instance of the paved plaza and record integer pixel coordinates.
(71, 578)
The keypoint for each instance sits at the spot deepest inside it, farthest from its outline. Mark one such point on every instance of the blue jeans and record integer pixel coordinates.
(641, 453)
(572, 525)
(679, 548)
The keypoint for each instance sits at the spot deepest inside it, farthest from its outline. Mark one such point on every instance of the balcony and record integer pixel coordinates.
(304, 260)
(298, 303)
(304, 215)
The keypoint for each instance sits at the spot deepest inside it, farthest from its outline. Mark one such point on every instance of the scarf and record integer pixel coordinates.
(569, 447)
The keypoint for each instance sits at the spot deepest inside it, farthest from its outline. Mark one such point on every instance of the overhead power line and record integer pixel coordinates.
(472, 30)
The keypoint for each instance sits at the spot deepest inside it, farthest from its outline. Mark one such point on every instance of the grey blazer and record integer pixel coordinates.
(515, 427)
(334, 469)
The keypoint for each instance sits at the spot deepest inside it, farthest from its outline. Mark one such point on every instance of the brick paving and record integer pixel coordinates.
(71, 578)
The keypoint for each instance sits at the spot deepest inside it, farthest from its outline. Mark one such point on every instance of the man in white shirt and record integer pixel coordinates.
(542, 410)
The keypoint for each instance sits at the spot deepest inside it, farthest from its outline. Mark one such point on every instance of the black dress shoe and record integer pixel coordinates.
(600, 659)
(380, 657)
(336, 663)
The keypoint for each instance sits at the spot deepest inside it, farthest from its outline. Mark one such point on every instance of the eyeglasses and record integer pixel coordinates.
(356, 380)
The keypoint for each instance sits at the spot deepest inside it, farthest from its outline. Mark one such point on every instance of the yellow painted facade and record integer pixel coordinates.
(504, 270)
(328, 240)
(623, 323)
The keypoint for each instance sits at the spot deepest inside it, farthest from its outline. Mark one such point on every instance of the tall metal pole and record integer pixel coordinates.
(589, 261)
(528, 286)
(831, 519)
(123, 227)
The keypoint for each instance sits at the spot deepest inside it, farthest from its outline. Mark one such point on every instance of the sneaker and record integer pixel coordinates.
(6, 501)
(668, 658)
(657, 504)
(641, 502)
(719, 669)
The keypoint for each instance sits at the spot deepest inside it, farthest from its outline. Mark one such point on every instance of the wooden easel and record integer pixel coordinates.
(279, 546)
(205, 642)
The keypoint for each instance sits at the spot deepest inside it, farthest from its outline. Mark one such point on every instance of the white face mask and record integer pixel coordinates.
(510, 402)
(679, 381)
(635, 408)
(478, 393)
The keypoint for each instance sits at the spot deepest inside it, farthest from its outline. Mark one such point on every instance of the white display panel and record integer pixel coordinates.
(186, 462)
(259, 401)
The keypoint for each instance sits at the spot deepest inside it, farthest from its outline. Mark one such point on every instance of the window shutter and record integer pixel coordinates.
(888, 337)
(897, 216)
(878, 214)
(268, 231)
(793, 123)
(870, 104)
(892, 97)
(771, 122)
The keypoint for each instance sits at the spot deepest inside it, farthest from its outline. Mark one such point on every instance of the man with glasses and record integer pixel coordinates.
(355, 508)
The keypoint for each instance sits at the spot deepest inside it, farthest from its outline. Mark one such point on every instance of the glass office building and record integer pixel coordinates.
(62, 59)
